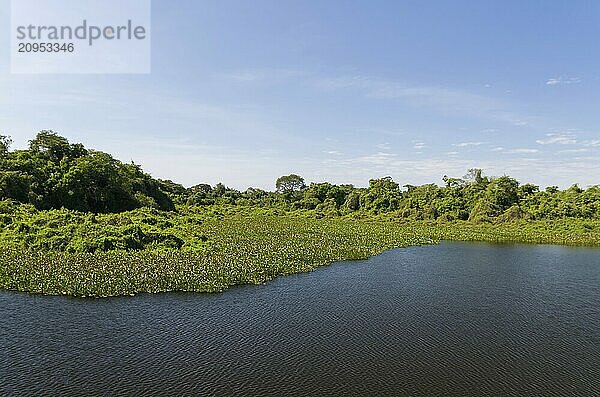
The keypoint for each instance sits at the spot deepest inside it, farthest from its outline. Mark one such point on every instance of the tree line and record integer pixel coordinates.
(53, 173)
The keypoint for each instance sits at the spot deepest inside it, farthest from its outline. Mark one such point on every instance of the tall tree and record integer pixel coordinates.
(289, 183)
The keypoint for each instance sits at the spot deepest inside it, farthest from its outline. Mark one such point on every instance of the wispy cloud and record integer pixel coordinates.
(383, 146)
(563, 81)
(580, 150)
(591, 143)
(523, 151)
(501, 149)
(442, 99)
(252, 75)
(467, 144)
(567, 138)
(419, 145)
(379, 158)
(559, 138)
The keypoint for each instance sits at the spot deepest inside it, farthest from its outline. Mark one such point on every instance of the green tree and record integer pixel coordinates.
(94, 183)
(500, 194)
(503, 192)
(5, 143)
(352, 202)
(15, 185)
(289, 184)
(54, 173)
(383, 195)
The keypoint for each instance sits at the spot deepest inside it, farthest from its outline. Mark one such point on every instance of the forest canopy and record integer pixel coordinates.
(54, 173)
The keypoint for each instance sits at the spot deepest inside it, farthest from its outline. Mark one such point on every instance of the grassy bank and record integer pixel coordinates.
(208, 250)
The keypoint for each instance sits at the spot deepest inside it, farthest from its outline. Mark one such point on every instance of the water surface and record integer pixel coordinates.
(451, 319)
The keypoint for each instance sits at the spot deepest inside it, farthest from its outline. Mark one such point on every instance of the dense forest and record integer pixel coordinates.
(54, 173)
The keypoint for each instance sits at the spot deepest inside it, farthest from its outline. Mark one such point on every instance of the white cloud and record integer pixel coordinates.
(591, 143)
(377, 158)
(574, 151)
(563, 80)
(523, 150)
(558, 138)
(466, 144)
(383, 146)
(514, 151)
(567, 138)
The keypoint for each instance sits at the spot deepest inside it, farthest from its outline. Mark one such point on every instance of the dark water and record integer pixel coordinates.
(453, 319)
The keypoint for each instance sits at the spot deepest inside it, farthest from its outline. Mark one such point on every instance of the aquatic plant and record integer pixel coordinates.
(219, 247)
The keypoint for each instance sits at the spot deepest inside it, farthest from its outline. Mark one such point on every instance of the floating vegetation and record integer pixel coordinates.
(218, 248)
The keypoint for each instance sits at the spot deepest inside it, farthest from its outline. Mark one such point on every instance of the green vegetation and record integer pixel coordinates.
(53, 173)
(78, 222)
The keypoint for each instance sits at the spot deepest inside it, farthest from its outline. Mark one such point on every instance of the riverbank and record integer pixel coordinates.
(213, 249)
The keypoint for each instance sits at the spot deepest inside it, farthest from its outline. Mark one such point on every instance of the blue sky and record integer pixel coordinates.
(242, 92)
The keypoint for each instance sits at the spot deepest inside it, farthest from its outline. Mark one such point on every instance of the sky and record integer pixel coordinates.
(242, 92)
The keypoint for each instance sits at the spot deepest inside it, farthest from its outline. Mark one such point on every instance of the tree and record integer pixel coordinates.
(382, 195)
(49, 143)
(203, 188)
(219, 190)
(55, 147)
(454, 182)
(5, 143)
(475, 175)
(500, 194)
(289, 184)
(528, 189)
(325, 190)
(15, 185)
(352, 202)
(53, 174)
(94, 184)
(503, 192)
(200, 194)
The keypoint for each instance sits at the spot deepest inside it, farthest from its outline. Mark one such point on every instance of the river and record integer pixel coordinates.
(449, 319)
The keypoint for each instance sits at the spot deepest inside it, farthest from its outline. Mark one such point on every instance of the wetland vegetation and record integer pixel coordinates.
(78, 222)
